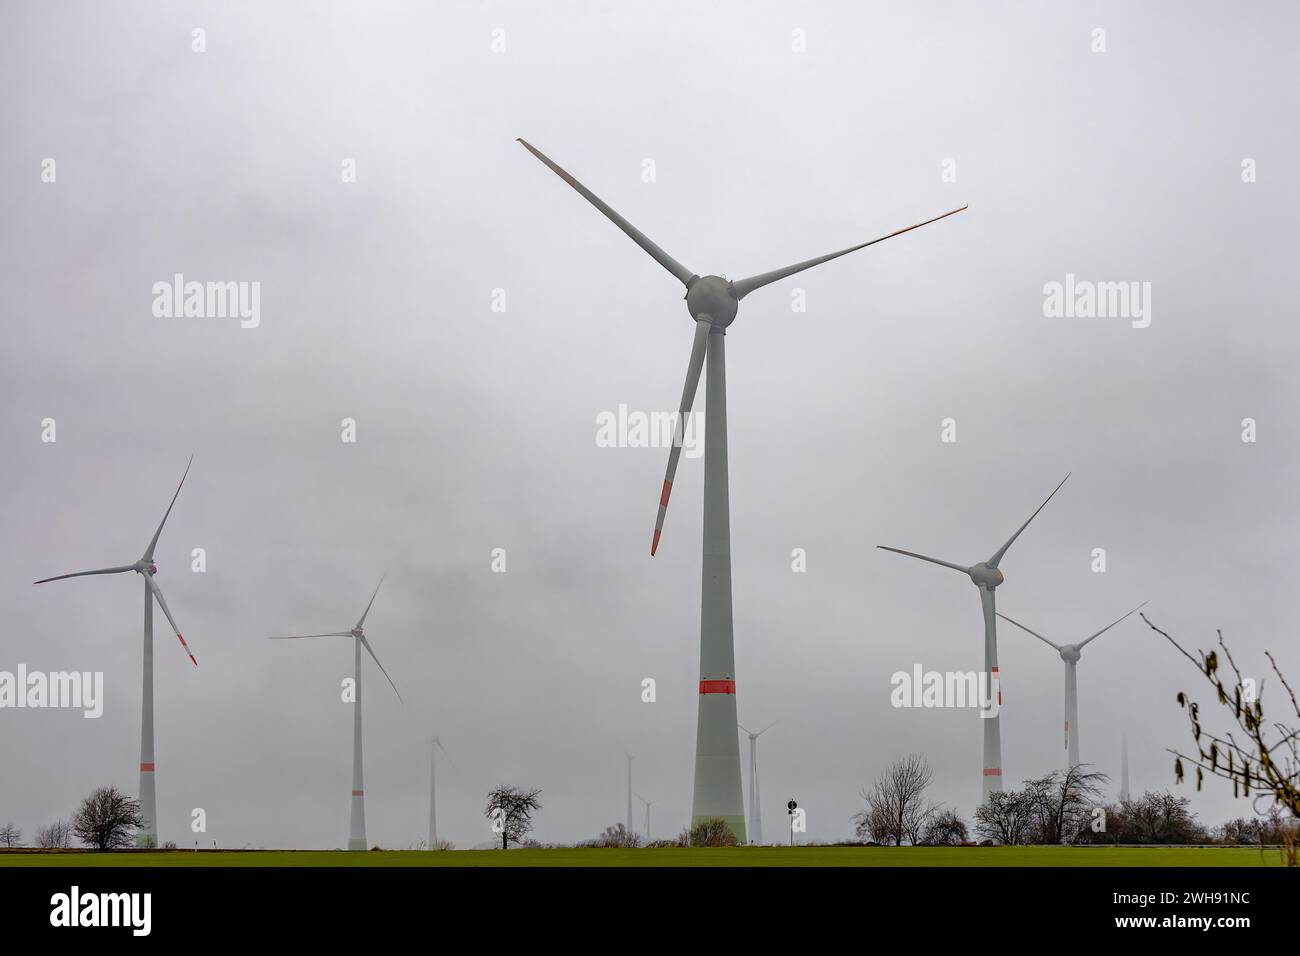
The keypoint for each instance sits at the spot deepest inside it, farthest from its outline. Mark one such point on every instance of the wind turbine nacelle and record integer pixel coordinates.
(1070, 654)
(711, 297)
(985, 577)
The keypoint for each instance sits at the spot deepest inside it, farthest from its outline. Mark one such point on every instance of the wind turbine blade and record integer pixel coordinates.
(82, 574)
(913, 554)
(683, 274)
(767, 728)
(1112, 624)
(742, 726)
(693, 369)
(296, 637)
(997, 555)
(372, 599)
(153, 543)
(745, 286)
(162, 603)
(1023, 628)
(366, 644)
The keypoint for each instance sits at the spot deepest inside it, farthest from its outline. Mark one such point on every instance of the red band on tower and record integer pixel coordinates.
(146, 768)
(717, 687)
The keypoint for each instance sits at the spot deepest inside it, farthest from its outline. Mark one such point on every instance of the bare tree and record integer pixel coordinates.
(617, 836)
(56, 836)
(945, 828)
(1064, 803)
(1261, 754)
(1006, 817)
(10, 836)
(896, 807)
(107, 819)
(511, 809)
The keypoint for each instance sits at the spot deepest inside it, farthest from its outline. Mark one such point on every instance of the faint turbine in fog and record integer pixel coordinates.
(755, 816)
(1070, 654)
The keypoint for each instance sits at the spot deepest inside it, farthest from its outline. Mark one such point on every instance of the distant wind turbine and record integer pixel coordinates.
(357, 836)
(647, 803)
(755, 816)
(712, 302)
(1123, 772)
(145, 567)
(987, 577)
(1070, 654)
(630, 830)
(434, 746)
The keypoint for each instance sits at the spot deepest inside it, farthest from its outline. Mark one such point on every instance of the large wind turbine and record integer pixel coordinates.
(755, 817)
(987, 577)
(145, 567)
(712, 302)
(434, 746)
(1070, 654)
(357, 836)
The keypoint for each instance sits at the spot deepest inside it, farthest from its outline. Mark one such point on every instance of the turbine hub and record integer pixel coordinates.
(357, 632)
(712, 298)
(1070, 654)
(986, 577)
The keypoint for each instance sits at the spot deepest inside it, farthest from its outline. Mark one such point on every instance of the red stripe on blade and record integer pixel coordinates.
(663, 495)
(717, 687)
(654, 545)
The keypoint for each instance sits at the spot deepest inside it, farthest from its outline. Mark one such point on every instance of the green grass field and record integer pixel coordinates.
(738, 856)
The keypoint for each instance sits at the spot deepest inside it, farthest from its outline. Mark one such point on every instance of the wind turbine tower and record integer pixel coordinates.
(434, 746)
(1123, 769)
(629, 795)
(712, 302)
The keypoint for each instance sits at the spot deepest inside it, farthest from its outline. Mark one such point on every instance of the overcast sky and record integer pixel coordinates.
(476, 429)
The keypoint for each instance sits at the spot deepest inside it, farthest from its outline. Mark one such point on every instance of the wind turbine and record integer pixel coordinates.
(145, 567)
(357, 837)
(647, 803)
(987, 577)
(1123, 771)
(712, 302)
(434, 746)
(630, 758)
(1070, 654)
(755, 817)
